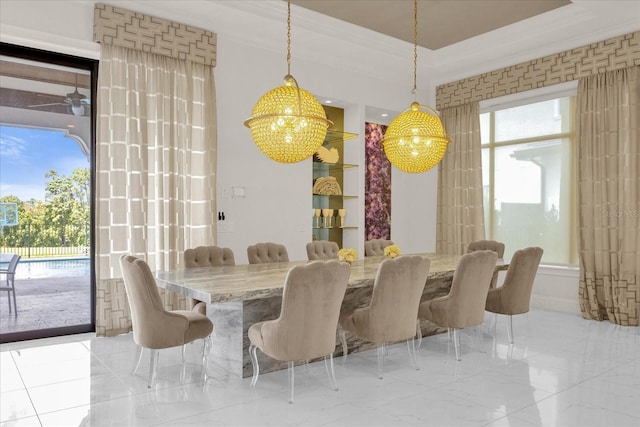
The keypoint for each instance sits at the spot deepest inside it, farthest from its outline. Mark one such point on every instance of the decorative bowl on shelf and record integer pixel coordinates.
(327, 186)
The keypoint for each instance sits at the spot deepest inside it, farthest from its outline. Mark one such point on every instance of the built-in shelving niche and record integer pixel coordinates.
(336, 138)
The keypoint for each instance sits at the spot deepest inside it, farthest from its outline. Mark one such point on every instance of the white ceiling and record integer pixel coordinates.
(317, 36)
(321, 38)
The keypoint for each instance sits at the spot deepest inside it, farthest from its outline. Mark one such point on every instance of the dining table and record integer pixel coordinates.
(241, 295)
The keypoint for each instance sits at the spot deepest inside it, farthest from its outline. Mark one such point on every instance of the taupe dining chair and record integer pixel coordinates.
(464, 305)
(206, 256)
(154, 327)
(391, 315)
(514, 296)
(261, 253)
(306, 327)
(491, 245)
(322, 249)
(10, 276)
(376, 247)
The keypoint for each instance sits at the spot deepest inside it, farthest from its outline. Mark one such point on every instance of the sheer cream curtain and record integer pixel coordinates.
(155, 169)
(460, 213)
(608, 167)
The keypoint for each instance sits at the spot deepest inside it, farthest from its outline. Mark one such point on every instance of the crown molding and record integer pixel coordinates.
(578, 24)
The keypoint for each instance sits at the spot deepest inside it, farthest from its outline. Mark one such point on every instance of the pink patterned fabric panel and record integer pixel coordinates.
(377, 186)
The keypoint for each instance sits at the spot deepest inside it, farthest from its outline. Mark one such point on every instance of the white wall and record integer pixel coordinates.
(362, 69)
(251, 61)
(556, 288)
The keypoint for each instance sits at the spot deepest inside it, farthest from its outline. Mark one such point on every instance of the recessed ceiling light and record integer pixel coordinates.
(384, 114)
(70, 126)
(328, 101)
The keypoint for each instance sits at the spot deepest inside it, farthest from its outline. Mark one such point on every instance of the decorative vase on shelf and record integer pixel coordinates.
(342, 213)
(327, 215)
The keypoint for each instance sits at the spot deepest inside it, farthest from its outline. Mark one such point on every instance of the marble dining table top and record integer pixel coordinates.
(254, 281)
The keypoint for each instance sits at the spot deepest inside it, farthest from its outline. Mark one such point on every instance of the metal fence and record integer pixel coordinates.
(45, 240)
(57, 251)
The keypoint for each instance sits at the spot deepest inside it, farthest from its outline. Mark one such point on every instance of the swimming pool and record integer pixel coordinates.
(51, 267)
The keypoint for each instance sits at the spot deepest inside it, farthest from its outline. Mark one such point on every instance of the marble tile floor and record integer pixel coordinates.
(561, 371)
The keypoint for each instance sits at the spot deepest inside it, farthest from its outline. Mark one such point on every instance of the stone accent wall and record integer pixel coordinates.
(596, 58)
(125, 28)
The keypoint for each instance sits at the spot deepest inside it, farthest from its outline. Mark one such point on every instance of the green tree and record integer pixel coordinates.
(61, 220)
(67, 206)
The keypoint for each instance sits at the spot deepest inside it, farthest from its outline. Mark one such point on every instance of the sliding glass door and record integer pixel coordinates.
(46, 183)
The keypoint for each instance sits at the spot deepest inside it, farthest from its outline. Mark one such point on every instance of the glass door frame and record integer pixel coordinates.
(90, 65)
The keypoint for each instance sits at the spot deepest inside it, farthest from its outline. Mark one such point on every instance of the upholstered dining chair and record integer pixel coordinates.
(376, 247)
(306, 327)
(261, 253)
(10, 276)
(154, 327)
(391, 315)
(514, 296)
(491, 245)
(322, 249)
(206, 256)
(464, 305)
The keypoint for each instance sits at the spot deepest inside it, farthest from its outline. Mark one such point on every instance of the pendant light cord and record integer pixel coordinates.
(415, 45)
(289, 37)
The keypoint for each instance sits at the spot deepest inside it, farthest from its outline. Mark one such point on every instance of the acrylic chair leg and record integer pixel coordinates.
(153, 367)
(419, 333)
(137, 360)
(290, 372)
(456, 343)
(328, 364)
(411, 346)
(510, 329)
(345, 349)
(254, 362)
(183, 352)
(380, 351)
(206, 348)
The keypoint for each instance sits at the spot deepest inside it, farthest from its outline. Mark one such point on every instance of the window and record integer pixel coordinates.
(527, 178)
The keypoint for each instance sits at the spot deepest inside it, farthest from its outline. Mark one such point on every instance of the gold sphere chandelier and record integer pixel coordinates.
(288, 124)
(415, 141)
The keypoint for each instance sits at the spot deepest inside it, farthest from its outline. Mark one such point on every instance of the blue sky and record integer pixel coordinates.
(27, 154)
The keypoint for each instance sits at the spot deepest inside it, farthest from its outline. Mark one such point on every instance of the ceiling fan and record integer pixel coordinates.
(75, 100)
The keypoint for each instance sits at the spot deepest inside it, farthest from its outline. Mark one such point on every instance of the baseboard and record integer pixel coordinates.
(556, 304)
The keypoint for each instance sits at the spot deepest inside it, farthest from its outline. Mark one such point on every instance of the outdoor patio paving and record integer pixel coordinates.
(47, 303)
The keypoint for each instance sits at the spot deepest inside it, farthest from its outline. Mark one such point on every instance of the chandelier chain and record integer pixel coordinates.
(415, 45)
(289, 37)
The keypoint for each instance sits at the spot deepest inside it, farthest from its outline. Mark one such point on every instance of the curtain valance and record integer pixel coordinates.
(133, 30)
(607, 55)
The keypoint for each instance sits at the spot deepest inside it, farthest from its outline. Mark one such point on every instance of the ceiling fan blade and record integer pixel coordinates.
(45, 105)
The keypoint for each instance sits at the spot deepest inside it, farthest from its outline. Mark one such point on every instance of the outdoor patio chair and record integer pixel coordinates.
(10, 273)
